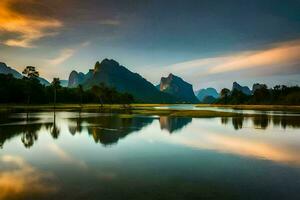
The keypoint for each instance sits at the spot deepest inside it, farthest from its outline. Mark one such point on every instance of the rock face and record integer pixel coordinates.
(4, 69)
(112, 74)
(243, 89)
(178, 88)
(75, 78)
(212, 92)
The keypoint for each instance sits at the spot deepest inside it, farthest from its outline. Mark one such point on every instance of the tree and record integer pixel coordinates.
(30, 72)
(224, 94)
(80, 91)
(55, 84)
(98, 93)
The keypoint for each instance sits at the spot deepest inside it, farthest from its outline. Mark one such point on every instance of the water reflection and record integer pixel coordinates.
(79, 164)
(20, 179)
(108, 129)
(173, 124)
(263, 121)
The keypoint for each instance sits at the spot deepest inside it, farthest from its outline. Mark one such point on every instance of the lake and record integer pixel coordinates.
(81, 155)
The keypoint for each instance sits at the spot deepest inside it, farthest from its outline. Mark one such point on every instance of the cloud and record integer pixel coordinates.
(278, 56)
(67, 53)
(64, 55)
(22, 29)
(272, 60)
(282, 55)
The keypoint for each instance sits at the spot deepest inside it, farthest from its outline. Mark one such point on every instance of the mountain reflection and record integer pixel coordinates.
(108, 129)
(263, 121)
(173, 124)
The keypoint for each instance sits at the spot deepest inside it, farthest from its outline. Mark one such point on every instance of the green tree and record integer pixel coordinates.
(55, 84)
(97, 91)
(31, 74)
(225, 94)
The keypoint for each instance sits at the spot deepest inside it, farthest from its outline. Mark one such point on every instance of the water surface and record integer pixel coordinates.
(75, 155)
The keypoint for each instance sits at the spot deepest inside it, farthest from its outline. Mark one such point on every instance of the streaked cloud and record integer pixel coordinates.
(22, 29)
(281, 55)
(65, 54)
(272, 60)
(277, 56)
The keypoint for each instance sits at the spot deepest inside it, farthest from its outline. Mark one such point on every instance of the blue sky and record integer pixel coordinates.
(207, 43)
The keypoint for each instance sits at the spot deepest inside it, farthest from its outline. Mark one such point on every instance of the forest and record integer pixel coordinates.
(29, 90)
(278, 95)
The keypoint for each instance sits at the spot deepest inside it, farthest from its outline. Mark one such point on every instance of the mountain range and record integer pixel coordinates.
(112, 74)
(172, 89)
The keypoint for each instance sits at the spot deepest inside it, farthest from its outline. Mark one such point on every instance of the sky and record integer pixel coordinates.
(207, 43)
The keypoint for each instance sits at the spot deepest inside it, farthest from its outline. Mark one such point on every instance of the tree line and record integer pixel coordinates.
(29, 90)
(278, 95)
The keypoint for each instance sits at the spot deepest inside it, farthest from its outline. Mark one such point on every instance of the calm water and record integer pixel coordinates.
(227, 109)
(73, 155)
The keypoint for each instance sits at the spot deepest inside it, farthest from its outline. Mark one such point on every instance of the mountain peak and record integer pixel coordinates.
(203, 93)
(4, 69)
(243, 89)
(177, 87)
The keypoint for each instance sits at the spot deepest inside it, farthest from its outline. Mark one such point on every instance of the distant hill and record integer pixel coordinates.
(209, 100)
(212, 92)
(64, 83)
(112, 74)
(178, 88)
(4, 69)
(243, 89)
(43, 81)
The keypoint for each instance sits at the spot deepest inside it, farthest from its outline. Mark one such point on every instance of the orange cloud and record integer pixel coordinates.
(25, 28)
(274, 59)
(282, 54)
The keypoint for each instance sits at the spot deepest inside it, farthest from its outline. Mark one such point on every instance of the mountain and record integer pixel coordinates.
(112, 74)
(243, 89)
(4, 69)
(212, 92)
(178, 88)
(64, 83)
(75, 79)
(209, 100)
(43, 81)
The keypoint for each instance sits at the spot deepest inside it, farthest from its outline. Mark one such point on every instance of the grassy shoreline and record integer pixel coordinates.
(148, 109)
